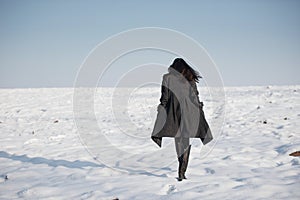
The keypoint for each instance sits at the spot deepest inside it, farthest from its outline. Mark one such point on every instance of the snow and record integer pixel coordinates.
(42, 155)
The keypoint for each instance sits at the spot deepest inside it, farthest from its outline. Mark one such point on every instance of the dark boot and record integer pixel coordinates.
(183, 163)
(180, 172)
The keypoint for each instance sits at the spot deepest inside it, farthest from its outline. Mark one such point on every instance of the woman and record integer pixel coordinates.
(180, 113)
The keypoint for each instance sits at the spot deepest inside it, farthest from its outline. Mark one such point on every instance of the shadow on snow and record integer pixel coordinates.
(74, 164)
(50, 162)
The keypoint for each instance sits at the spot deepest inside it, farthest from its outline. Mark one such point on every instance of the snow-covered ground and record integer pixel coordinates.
(42, 156)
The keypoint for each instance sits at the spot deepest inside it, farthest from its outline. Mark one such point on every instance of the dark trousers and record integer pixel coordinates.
(183, 149)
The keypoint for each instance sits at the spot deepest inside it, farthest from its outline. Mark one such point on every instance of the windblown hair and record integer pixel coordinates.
(187, 71)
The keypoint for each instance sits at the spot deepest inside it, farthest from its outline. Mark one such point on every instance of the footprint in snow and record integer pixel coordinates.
(227, 158)
(280, 127)
(168, 189)
(283, 149)
(240, 179)
(87, 195)
(209, 171)
(295, 162)
(172, 188)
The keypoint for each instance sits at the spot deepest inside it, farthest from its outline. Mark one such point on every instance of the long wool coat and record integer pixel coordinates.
(180, 112)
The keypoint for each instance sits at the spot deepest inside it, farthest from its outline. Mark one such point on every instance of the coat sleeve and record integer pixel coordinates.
(164, 92)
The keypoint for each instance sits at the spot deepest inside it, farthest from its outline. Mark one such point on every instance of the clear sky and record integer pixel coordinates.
(43, 43)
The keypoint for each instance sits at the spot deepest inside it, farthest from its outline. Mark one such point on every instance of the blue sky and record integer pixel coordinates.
(43, 43)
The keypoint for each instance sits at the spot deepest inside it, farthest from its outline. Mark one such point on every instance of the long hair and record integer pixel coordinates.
(187, 71)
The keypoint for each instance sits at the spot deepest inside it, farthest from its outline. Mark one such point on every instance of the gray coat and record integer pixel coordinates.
(180, 112)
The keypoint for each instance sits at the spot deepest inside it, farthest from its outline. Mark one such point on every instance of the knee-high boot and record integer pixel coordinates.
(183, 163)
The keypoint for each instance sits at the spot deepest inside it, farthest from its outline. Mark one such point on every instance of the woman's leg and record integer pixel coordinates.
(183, 151)
(179, 147)
(181, 144)
(186, 154)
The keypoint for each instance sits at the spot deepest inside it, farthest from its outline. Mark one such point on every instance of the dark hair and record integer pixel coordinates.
(187, 71)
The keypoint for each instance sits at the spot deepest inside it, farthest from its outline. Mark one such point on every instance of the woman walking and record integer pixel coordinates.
(180, 113)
